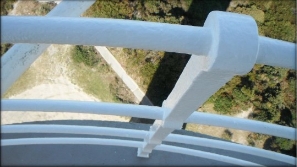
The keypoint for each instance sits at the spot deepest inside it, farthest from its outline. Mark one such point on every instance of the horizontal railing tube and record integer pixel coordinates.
(125, 143)
(131, 34)
(275, 52)
(74, 129)
(198, 141)
(106, 32)
(142, 111)
(242, 124)
(140, 134)
(70, 140)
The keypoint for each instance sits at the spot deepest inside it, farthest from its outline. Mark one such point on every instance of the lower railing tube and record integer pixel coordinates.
(70, 140)
(142, 111)
(125, 143)
(74, 129)
(140, 134)
(231, 146)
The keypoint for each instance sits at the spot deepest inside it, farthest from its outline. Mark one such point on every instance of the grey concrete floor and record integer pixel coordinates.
(90, 155)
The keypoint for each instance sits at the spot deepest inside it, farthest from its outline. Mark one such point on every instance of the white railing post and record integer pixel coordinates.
(233, 52)
(20, 56)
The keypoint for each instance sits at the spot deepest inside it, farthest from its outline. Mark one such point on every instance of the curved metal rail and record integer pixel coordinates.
(131, 34)
(140, 134)
(141, 111)
(125, 143)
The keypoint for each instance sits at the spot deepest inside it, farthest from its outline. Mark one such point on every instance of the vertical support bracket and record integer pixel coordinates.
(233, 52)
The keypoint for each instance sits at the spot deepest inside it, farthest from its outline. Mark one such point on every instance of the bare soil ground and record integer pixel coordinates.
(238, 136)
(27, 8)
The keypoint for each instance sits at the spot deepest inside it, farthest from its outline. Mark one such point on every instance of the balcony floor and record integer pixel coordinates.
(86, 155)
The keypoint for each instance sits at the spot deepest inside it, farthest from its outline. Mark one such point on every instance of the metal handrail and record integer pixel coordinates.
(140, 134)
(141, 111)
(216, 45)
(125, 143)
(132, 34)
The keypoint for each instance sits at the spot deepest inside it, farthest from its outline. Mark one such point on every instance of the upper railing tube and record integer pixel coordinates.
(276, 53)
(106, 32)
(132, 34)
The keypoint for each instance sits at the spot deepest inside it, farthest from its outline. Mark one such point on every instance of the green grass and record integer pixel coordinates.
(95, 77)
(86, 55)
(93, 81)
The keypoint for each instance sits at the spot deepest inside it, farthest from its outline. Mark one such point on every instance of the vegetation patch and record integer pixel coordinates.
(93, 74)
(86, 55)
(6, 6)
(5, 48)
(227, 135)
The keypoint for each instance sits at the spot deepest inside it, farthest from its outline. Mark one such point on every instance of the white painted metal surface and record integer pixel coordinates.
(106, 32)
(232, 52)
(140, 134)
(20, 56)
(125, 143)
(226, 46)
(235, 43)
(73, 129)
(71, 140)
(141, 111)
(134, 34)
(277, 53)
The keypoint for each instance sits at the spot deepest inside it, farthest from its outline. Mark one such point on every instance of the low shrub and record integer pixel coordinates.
(86, 55)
